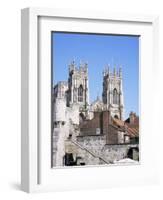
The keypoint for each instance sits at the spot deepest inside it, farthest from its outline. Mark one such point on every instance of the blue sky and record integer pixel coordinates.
(98, 51)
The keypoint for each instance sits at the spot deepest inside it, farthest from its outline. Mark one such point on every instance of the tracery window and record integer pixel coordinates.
(115, 96)
(80, 94)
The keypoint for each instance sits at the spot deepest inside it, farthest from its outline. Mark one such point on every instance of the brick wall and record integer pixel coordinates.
(88, 127)
(112, 135)
(101, 120)
(105, 121)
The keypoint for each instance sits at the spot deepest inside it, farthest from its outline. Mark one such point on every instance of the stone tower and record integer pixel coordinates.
(113, 92)
(78, 92)
(60, 127)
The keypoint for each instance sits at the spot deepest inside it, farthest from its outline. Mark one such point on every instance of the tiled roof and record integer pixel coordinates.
(132, 130)
(118, 122)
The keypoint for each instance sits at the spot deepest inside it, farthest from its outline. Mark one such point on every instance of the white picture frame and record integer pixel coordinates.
(36, 171)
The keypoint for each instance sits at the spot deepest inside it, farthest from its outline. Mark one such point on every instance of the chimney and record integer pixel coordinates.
(106, 121)
(132, 117)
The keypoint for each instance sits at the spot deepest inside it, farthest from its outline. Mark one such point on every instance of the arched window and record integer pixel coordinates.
(116, 116)
(80, 94)
(115, 96)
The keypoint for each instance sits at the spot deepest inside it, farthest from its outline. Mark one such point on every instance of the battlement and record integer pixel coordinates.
(83, 67)
(61, 83)
(114, 73)
(60, 89)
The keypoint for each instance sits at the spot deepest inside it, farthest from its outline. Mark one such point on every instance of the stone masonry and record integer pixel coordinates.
(94, 133)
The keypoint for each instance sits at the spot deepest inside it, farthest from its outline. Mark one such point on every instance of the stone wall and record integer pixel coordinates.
(93, 143)
(79, 151)
(115, 152)
(72, 114)
(66, 120)
(110, 153)
(60, 110)
(59, 136)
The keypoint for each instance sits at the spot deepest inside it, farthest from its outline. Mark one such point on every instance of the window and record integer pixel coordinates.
(116, 116)
(115, 96)
(97, 131)
(80, 94)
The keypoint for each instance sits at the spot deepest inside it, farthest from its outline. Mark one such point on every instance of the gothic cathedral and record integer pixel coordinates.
(87, 133)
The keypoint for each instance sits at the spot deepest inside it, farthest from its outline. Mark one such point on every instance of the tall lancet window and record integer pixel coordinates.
(115, 96)
(80, 94)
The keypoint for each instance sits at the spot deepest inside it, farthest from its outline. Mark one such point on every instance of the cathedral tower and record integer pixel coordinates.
(78, 92)
(113, 92)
